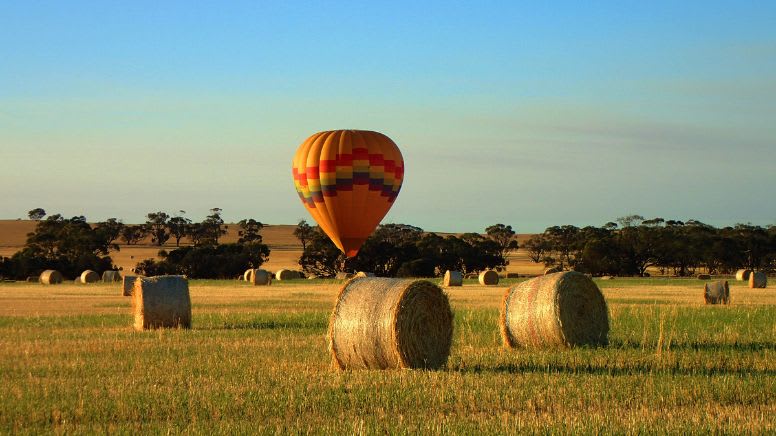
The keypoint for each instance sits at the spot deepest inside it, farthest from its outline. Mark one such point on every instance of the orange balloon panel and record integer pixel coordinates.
(348, 180)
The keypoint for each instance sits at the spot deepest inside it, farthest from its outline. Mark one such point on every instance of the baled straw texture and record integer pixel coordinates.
(488, 278)
(562, 309)
(717, 292)
(248, 276)
(453, 278)
(364, 274)
(50, 277)
(111, 276)
(758, 280)
(553, 270)
(743, 275)
(89, 276)
(381, 323)
(261, 277)
(127, 285)
(704, 277)
(286, 274)
(161, 301)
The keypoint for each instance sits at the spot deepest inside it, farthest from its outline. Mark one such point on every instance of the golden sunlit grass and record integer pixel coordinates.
(256, 360)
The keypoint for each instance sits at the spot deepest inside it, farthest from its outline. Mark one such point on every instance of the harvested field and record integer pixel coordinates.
(254, 354)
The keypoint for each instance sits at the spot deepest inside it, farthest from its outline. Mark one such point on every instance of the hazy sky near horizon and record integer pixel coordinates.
(531, 114)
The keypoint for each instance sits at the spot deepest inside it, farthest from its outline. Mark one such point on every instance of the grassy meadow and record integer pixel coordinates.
(256, 361)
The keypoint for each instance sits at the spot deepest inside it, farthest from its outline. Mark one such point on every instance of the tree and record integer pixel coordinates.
(67, 245)
(321, 257)
(249, 231)
(178, 227)
(504, 237)
(133, 234)
(110, 230)
(208, 261)
(212, 227)
(157, 227)
(36, 214)
(538, 246)
(304, 233)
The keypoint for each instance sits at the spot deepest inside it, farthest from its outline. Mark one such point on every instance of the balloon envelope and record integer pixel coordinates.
(348, 180)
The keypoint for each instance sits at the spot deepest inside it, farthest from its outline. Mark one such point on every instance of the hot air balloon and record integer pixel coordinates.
(348, 180)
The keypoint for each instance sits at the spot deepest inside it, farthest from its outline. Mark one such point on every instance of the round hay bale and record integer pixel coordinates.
(161, 301)
(261, 277)
(89, 276)
(364, 274)
(553, 270)
(758, 280)
(32, 279)
(488, 278)
(607, 278)
(127, 285)
(286, 274)
(704, 277)
(564, 309)
(381, 323)
(716, 292)
(248, 275)
(743, 275)
(342, 275)
(111, 276)
(50, 277)
(452, 278)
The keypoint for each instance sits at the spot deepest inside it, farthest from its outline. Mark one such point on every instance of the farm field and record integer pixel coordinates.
(256, 361)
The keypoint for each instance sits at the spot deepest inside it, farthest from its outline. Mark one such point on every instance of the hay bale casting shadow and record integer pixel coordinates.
(562, 309)
(111, 276)
(453, 278)
(161, 301)
(716, 292)
(488, 278)
(758, 280)
(742, 275)
(90, 276)
(50, 277)
(380, 323)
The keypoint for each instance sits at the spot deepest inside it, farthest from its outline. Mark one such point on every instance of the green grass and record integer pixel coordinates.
(669, 368)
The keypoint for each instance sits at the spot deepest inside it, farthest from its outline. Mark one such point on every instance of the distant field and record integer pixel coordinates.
(256, 360)
(285, 253)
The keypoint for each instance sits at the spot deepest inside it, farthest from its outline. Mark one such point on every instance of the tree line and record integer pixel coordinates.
(632, 244)
(401, 250)
(72, 245)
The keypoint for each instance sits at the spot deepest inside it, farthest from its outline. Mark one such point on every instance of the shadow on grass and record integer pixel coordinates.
(641, 368)
(273, 325)
(744, 347)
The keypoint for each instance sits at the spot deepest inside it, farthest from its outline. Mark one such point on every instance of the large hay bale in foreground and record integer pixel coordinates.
(50, 277)
(488, 278)
(127, 285)
(758, 280)
(111, 276)
(562, 309)
(161, 301)
(260, 277)
(452, 278)
(89, 276)
(286, 274)
(716, 292)
(743, 275)
(704, 277)
(381, 323)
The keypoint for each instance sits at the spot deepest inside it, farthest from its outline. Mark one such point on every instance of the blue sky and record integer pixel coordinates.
(531, 115)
